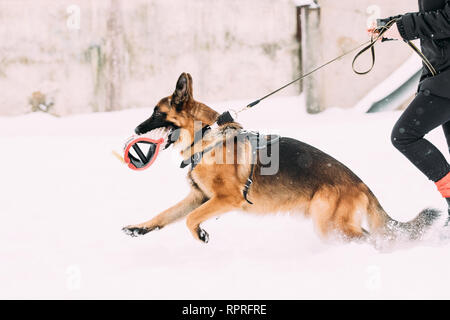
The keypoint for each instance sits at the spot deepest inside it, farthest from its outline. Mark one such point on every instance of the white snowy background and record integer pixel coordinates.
(65, 198)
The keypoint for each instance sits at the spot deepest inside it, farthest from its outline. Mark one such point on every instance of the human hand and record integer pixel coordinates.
(392, 33)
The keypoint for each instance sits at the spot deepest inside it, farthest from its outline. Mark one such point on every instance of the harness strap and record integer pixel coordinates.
(195, 159)
(224, 118)
(221, 120)
(249, 182)
(199, 135)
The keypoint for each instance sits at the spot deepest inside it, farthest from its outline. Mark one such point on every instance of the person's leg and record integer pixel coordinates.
(425, 113)
(446, 127)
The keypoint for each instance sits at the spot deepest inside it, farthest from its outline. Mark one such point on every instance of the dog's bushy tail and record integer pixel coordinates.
(382, 224)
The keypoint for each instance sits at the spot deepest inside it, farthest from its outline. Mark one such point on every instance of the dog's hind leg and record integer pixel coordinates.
(322, 208)
(213, 207)
(178, 211)
(348, 218)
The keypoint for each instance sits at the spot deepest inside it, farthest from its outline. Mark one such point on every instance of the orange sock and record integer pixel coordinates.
(443, 186)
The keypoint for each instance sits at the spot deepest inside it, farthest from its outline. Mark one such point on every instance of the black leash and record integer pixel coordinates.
(369, 45)
(254, 103)
(373, 40)
(380, 31)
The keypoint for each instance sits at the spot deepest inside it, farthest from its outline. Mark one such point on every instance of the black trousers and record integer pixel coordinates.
(425, 113)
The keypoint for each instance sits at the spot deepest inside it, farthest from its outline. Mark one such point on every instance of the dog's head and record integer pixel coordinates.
(179, 112)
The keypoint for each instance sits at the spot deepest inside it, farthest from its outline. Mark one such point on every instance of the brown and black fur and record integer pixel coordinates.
(308, 181)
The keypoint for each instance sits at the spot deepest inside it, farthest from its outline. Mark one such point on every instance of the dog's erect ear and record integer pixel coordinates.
(183, 91)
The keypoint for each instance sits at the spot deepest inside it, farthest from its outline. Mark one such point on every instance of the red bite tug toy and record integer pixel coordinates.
(140, 151)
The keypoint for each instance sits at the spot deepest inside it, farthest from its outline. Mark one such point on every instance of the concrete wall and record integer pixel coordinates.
(118, 54)
(342, 27)
(122, 54)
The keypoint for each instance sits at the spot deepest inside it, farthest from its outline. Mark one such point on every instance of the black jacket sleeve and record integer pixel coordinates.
(425, 25)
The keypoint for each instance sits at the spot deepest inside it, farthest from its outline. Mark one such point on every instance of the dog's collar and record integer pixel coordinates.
(195, 159)
(199, 135)
(224, 118)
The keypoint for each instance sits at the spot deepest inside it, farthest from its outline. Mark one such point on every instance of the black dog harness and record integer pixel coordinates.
(249, 182)
(251, 136)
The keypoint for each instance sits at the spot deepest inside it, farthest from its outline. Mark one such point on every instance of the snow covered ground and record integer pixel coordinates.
(65, 198)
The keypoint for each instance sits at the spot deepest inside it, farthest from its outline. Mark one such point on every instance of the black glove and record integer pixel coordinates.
(383, 22)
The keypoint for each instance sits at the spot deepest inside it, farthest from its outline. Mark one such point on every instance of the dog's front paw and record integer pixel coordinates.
(202, 235)
(133, 231)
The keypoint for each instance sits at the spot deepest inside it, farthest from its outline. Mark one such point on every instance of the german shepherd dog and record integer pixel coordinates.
(308, 181)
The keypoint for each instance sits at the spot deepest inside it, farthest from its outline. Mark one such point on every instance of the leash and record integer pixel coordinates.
(254, 103)
(380, 31)
(369, 45)
(373, 40)
(424, 59)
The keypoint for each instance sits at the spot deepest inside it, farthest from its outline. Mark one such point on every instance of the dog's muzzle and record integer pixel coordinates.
(140, 151)
(157, 120)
